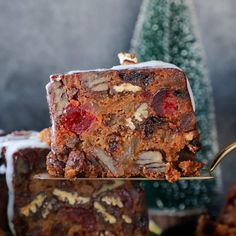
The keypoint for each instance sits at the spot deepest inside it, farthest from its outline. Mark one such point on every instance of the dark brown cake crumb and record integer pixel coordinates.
(190, 168)
(172, 175)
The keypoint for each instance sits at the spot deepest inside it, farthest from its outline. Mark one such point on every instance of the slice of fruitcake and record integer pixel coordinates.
(130, 120)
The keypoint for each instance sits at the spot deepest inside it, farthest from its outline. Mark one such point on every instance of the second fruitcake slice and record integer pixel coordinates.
(130, 120)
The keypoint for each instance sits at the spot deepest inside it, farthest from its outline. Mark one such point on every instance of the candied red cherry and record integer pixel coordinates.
(77, 119)
(164, 103)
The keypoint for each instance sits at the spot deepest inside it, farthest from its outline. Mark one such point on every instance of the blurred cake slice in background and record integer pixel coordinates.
(136, 119)
(226, 223)
(62, 208)
(22, 155)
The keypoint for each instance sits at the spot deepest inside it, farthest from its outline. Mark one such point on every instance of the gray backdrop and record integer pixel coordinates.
(39, 38)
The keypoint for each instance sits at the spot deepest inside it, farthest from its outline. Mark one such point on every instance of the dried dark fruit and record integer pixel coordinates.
(186, 155)
(75, 164)
(77, 119)
(196, 143)
(54, 166)
(180, 94)
(165, 103)
(187, 122)
(113, 141)
(109, 119)
(146, 95)
(149, 125)
(126, 197)
(138, 78)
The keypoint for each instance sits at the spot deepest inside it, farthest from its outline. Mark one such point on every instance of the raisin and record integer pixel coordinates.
(113, 142)
(75, 164)
(77, 119)
(149, 125)
(54, 166)
(187, 122)
(142, 79)
(180, 94)
(196, 143)
(185, 154)
(164, 103)
(126, 197)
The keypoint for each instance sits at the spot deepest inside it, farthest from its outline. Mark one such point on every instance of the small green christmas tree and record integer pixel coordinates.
(166, 31)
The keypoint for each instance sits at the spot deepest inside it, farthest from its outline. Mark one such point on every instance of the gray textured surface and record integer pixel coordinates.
(43, 37)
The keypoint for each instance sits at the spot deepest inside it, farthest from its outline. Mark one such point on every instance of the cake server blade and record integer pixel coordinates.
(204, 174)
(45, 176)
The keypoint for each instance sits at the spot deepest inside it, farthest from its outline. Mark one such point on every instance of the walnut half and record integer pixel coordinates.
(151, 160)
(127, 58)
(107, 217)
(96, 83)
(114, 201)
(127, 219)
(71, 198)
(126, 87)
(33, 206)
(141, 112)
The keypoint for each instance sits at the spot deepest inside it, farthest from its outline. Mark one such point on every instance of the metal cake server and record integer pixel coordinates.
(204, 174)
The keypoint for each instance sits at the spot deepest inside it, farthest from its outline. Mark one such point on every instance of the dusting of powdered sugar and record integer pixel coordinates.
(13, 143)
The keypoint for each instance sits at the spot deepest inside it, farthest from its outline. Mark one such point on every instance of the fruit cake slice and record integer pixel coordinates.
(63, 208)
(225, 225)
(130, 120)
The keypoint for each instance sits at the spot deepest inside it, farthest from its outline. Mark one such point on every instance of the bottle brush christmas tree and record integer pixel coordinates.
(166, 31)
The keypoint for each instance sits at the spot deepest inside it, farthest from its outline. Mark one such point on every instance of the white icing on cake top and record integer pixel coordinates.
(148, 64)
(14, 143)
(191, 95)
(142, 65)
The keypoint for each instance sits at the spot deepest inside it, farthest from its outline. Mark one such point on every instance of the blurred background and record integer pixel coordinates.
(39, 38)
